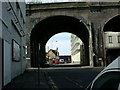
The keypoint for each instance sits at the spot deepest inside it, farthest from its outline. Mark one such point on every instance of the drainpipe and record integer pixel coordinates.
(39, 64)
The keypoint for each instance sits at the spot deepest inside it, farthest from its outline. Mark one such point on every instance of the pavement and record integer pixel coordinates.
(29, 80)
(75, 65)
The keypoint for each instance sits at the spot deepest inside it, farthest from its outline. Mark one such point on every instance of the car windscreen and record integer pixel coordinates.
(107, 81)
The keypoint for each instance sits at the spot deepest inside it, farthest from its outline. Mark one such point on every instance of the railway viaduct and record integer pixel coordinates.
(87, 20)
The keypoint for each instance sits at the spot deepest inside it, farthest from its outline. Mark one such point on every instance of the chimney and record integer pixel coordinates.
(57, 49)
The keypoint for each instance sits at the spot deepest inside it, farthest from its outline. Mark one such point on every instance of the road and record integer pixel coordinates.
(60, 78)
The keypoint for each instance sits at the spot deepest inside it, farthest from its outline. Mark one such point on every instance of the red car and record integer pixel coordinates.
(56, 61)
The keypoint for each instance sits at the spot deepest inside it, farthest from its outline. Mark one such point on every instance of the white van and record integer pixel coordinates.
(61, 61)
(107, 79)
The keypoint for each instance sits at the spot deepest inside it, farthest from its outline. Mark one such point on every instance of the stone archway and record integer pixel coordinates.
(111, 39)
(48, 27)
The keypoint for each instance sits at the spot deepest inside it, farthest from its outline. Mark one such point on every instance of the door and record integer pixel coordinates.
(7, 62)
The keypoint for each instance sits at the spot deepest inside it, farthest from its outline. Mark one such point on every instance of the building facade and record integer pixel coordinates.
(52, 55)
(77, 49)
(12, 40)
(112, 46)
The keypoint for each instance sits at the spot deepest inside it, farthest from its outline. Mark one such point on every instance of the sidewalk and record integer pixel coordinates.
(29, 80)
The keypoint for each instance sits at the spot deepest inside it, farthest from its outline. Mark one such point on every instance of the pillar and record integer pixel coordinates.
(42, 54)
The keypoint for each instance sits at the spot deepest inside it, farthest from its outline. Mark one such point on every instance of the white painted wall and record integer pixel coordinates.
(7, 62)
(75, 51)
(76, 58)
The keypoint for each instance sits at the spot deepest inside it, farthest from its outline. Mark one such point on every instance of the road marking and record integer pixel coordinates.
(51, 82)
(73, 81)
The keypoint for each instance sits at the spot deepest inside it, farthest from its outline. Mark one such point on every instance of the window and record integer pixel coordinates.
(119, 39)
(15, 51)
(110, 39)
(105, 81)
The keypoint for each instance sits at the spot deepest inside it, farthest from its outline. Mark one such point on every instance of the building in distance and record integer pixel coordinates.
(112, 45)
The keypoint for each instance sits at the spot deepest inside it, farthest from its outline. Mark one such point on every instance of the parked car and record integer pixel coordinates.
(61, 61)
(107, 79)
(56, 62)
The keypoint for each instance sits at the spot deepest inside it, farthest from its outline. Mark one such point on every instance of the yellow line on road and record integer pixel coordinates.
(51, 82)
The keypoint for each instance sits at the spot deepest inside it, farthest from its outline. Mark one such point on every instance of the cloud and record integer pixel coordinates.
(63, 34)
(60, 37)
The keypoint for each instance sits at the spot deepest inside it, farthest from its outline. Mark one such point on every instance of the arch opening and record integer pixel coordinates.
(60, 40)
(111, 39)
(64, 48)
(50, 26)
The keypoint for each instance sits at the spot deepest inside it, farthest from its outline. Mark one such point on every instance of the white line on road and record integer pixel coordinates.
(73, 81)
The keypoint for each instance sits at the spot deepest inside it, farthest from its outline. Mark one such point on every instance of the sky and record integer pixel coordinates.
(60, 41)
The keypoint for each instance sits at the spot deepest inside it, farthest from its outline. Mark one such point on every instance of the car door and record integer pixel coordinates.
(107, 81)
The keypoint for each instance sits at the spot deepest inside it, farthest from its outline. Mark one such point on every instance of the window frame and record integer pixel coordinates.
(118, 38)
(103, 79)
(110, 39)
